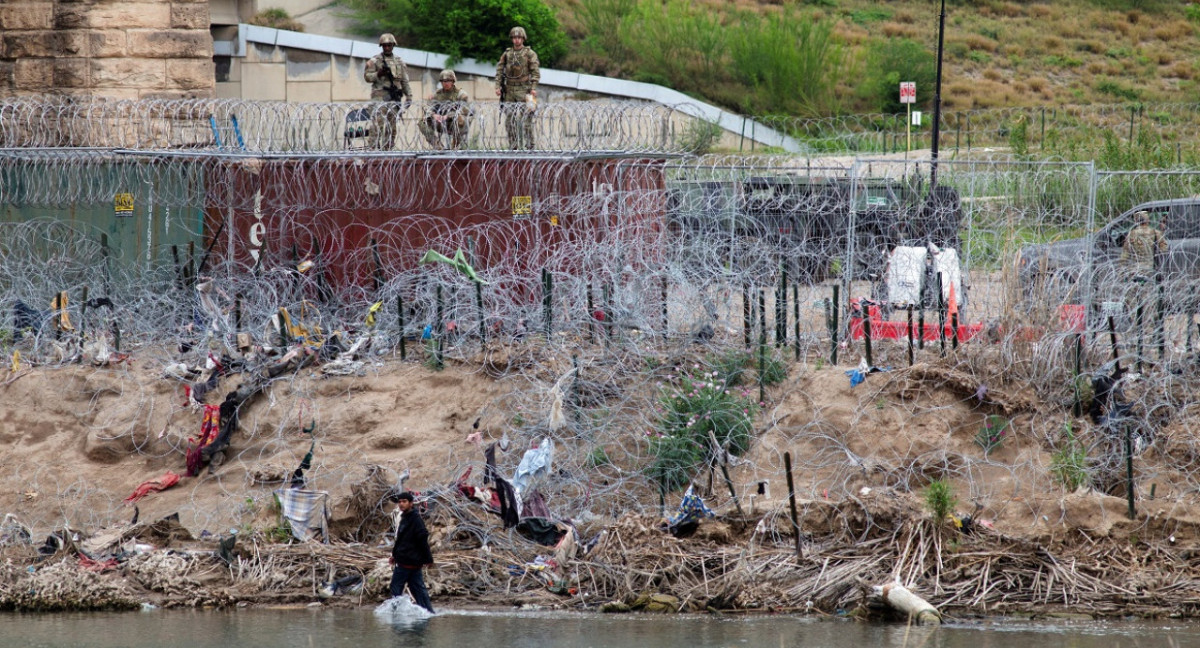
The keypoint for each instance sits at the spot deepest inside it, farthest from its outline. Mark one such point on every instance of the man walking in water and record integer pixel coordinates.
(410, 553)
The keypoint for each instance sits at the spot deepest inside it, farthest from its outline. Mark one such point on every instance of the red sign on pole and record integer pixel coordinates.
(908, 92)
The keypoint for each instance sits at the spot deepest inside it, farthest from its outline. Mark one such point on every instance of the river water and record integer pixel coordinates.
(330, 628)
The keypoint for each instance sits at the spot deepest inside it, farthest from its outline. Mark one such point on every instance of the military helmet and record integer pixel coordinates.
(517, 32)
(387, 39)
(447, 75)
(1142, 216)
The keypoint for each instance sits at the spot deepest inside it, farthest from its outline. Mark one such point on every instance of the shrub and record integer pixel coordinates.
(991, 434)
(1115, 89)
(277, 19)
(940, 499)
(699, 137)
(893, 61)
(698, 405)
(773, 369)
(1069, 464)
(793, 63)
(598, 457)
(602, 23)
(676, 41)
(730, 367)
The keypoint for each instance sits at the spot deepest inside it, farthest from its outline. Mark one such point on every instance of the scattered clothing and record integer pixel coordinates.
(691, 510)
(542, 530)
(510, 511)
(153, 486)
(209, 427)
(306, 511)
(535, 505)
(535, 463)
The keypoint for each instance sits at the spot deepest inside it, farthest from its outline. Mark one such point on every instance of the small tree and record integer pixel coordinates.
(892, 61)
(464, 29)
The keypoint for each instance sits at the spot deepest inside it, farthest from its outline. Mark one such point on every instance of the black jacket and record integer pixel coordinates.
(412, 541)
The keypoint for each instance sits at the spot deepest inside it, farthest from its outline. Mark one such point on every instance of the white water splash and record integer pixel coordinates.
(401, 607)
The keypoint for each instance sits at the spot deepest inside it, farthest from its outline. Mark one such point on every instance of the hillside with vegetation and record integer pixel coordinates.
(827, 57)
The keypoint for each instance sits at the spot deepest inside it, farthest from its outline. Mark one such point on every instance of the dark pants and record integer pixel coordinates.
(402, 576)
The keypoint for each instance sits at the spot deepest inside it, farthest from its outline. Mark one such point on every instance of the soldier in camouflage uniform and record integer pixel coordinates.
(446, 114)
(388, 77)
(1144, 246)
(517, 75)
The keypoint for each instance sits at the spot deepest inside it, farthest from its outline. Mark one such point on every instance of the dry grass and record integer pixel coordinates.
(1040, 11)
(1172, 31)
(983, 43)
(1057, 50)
(893, 29)
(1182, 70)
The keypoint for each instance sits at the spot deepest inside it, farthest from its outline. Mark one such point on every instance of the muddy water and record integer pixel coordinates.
(324, 628)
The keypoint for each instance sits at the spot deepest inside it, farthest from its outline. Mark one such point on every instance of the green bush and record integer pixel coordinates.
(892, 61)
(730, 367)
(1109, 87)
(699, 137)
(676, 41)
(1069, 464)
(991, 434)
(691, 409)
(940, 499)
(773, 369)
(792, 62)
(602, 23)
(465, 29)
(598, 457)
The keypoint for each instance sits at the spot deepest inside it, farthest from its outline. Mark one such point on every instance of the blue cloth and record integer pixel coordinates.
(691, 509)
(402, 576)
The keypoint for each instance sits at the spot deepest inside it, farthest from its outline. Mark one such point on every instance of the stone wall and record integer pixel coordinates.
(123, 49)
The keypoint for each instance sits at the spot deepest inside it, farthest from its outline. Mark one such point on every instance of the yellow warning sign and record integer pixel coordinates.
(522, 205)
(123, 204)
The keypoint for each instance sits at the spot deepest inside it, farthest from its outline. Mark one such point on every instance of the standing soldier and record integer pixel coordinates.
(1144, 247)
(517, 76)
(446, 114)
(388, 77)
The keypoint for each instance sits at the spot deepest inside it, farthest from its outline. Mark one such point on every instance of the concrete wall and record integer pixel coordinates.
(123, 49)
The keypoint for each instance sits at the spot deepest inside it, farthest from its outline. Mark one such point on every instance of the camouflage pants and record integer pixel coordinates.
(435, 132)
(518, 119)
(386, 114)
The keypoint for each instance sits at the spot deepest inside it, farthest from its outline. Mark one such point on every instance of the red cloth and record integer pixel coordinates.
(208, 433)
(98, 565)
(153, 486)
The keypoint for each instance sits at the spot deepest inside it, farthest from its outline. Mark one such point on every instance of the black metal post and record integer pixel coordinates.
(787, 465)
(746, 316)
(400, 318)
(867, 338)
(837, 306)
(937, 102)
(796, 318)
(1129, 467)
(591, 310)
(910, 335)
(941, 308)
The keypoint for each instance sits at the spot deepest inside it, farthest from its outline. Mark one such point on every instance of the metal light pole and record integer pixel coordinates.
(937, 102)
